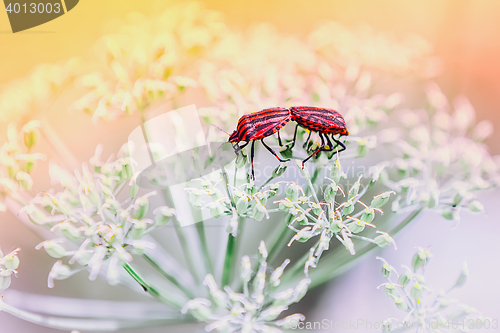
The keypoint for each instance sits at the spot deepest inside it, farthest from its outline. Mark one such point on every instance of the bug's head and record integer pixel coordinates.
(233, 137)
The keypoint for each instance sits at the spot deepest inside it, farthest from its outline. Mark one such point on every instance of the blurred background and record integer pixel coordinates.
(464, 34)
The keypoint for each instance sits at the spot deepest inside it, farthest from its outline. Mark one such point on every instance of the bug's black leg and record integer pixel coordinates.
(340, 144)
(294, 137)
(279, 139)
(330, 144)
(307, 140)
(273, 152)
(317, 150)
(252, 154)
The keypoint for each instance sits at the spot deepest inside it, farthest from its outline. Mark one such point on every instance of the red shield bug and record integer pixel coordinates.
(257, 126)
(320, 120)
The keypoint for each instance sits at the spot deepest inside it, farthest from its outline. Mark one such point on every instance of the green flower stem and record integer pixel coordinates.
(230, 260)
(152, 290)
(227, 273)
(266, 182)
(200, 228)
(338, 262)
(169, 277)
(280, 239)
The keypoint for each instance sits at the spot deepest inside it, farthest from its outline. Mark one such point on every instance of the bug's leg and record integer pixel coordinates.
(279, 139)
(294, 137)
(317, 150)
(273, 152)
(307, 140)
(330, 144)
(252, 154)
(339, 144)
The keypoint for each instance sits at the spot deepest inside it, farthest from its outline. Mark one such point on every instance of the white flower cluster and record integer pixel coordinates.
(256, 308)
(424, 307)
(96, 230)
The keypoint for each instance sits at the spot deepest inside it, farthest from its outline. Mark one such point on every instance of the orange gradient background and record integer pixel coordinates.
(463, 32)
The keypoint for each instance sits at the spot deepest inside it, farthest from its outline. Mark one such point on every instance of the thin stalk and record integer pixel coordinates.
(67, 324)
(227, 273)
(169, 277)
(152, 290)
(200, 228)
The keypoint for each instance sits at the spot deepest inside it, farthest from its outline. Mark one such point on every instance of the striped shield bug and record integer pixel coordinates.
(325, 122)
(257, 126)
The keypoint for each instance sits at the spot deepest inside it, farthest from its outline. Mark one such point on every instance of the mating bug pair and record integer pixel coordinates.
(259, 125)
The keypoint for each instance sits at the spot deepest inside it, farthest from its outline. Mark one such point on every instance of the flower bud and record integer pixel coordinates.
(242, 204)
(11, 261)
(139, 228)
(273, 189)
(386, 270)
(475, 206)
(24, 180)
(286, 152)
(301, 289)
(384, 239)
(349, 208)
(363, 148)
(390, 290)
(420, 259)
(416, 291)
(316, 207)
(30, 133)
(246, 268)
(272, 313)
(356, 227)
(263, 250)
(280, 169)
(259, 211)
(293, 191)
(35, 215)
(401, 304)
(330, 192)
(451, 214)
(291, 322)
(53, 248)
(381, 199)
(368, 215)
(195, 198)
(199, 308)
(336, 172)
(141, 207)
(404, 279)
(241, 160)
(354, 190)
(163, 215)
(133, 190)
(4, 282)
(58, 272)
(463, 277)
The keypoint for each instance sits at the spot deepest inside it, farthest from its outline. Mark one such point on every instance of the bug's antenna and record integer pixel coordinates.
(220, 129)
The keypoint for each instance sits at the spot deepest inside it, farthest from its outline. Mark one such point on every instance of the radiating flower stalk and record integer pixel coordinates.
(427, 157)
(425, 308)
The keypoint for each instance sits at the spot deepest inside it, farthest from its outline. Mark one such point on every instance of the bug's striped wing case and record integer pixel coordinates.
(316, 119)
(261, 124)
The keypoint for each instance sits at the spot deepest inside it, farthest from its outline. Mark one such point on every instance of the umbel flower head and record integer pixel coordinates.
(254, 310)
(96, 230)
